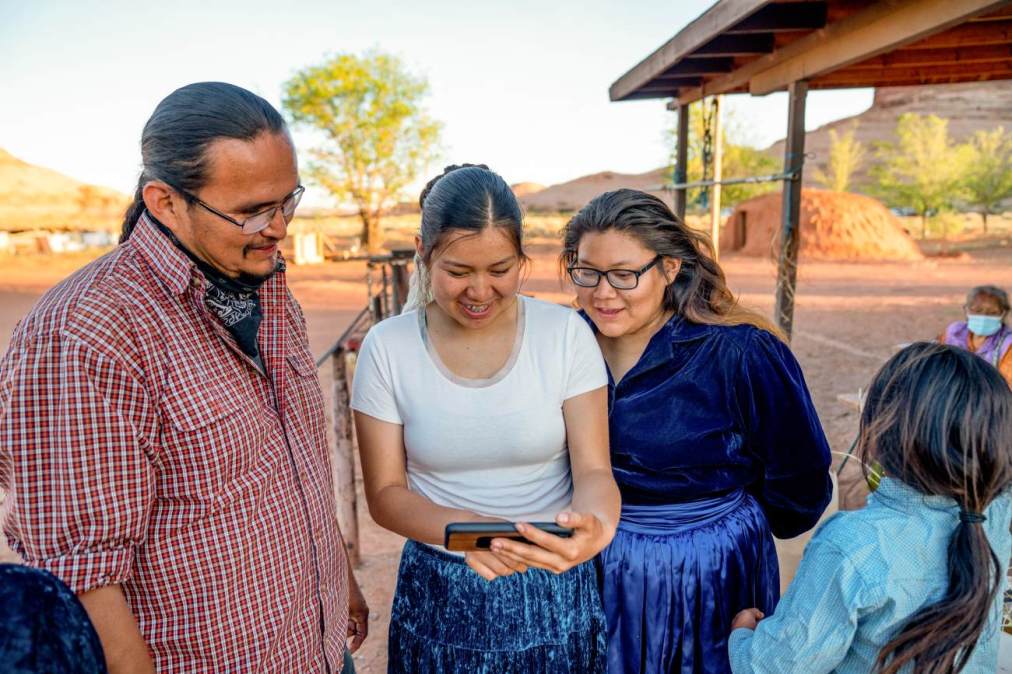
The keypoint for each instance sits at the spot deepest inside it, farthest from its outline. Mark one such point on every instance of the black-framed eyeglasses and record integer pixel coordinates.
(258, 221)
(620, 279)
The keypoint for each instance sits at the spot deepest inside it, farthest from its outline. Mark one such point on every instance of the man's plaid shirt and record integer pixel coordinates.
(140, 446)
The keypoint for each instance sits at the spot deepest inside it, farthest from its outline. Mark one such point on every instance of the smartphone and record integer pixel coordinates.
(463, 536)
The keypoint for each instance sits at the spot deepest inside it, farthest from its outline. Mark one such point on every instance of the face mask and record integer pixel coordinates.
(981, 325)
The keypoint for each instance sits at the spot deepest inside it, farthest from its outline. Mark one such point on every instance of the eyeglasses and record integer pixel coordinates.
(620, 279)
(258, 221)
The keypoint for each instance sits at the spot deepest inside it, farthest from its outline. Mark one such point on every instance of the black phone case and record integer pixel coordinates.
(479, 535)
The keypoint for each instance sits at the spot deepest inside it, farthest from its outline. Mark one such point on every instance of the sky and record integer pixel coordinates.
(520, 86)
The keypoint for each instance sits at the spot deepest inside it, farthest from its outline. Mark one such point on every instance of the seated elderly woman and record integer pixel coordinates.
(985, 332)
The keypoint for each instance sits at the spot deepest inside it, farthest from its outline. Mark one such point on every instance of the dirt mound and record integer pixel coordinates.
(834, 226)
(574, 195)
(526, 189)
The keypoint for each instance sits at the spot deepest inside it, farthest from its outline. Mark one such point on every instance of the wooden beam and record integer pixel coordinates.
(652, 95)
(670, 84)
(1003, 13)
(779, 18)
(702, 30)
(969, 34)
(833, 34)
(697, 66)
(866, 34)
(922, 77)
(873, 75)
(790, 231)
(936, 57)
(682, 160)
(737, 45)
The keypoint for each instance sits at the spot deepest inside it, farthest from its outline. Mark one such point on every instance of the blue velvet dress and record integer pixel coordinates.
(716, 446)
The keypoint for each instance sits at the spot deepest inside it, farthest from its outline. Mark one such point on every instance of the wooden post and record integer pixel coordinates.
(718, 152)
(790, 235)
(682, 160)
(399, 274)
(376, 307)
(344, 458)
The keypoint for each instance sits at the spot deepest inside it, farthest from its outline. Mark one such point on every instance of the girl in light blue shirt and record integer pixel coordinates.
(913, 582)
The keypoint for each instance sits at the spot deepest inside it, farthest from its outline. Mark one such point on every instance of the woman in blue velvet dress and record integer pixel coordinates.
(716, 446)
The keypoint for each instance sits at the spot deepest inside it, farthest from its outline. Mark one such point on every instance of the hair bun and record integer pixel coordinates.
(447, 170)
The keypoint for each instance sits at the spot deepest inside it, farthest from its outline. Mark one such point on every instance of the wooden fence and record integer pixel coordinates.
(387, 287)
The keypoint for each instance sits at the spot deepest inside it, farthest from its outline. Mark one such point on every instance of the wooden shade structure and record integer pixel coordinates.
(762, 46)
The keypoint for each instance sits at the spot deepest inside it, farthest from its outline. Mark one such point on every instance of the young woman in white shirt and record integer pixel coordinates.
(484, 405)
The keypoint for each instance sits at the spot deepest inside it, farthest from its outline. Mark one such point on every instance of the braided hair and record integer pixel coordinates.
(464, 197)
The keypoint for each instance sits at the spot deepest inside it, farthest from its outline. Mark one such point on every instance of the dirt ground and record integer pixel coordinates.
(849, 318)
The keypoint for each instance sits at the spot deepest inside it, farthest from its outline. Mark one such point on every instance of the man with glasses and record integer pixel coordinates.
(162, 432)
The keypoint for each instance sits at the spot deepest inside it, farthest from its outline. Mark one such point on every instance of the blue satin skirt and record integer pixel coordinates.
(674, 577)
(446, 618)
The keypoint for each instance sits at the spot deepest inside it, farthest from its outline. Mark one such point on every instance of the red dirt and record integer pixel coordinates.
(850, 317)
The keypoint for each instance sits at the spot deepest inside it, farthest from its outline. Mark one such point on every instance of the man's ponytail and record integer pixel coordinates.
(133, 212)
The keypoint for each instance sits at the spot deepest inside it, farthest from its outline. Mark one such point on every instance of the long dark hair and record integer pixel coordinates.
(939, 419)
(468, 197)
(699, 291)
(175, 139)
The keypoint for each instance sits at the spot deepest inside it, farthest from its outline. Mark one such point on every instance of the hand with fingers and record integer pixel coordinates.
(358, 614)
(747, 618)
(490, 565)
(554, 553)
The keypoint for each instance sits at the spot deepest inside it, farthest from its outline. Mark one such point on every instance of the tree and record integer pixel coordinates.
(989, 177)
(377, 137)
(846, 154)
(738, 161)
(923, 170)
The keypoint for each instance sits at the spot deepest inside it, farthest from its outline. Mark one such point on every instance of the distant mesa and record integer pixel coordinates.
(969, 107)
(37, 198)
(526, 189)
(574, 195)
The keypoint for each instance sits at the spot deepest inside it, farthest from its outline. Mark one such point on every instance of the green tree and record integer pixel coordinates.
(923, 170)
(846, 155)
(989, 176)
(739, 160)
(376, 136)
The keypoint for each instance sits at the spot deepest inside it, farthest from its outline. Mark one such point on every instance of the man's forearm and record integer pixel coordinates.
(125, 649)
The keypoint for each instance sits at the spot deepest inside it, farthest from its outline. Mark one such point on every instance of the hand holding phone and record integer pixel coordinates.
(553, 553)
(470, 536)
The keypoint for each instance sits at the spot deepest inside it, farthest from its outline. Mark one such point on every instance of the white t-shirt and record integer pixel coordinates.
(493, 446)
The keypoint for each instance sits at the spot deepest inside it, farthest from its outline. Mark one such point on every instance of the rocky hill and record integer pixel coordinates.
(572, 195)
(33, 197)
(969, 108)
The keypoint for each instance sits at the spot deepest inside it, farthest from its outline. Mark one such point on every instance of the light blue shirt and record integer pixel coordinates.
(863, 575)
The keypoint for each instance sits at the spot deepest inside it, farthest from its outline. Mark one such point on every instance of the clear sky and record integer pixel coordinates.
(521, 86)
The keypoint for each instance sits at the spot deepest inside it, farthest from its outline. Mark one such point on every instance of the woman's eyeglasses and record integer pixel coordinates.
(619, 279)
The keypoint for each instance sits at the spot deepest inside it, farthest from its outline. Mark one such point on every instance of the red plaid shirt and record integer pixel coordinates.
(140, 446)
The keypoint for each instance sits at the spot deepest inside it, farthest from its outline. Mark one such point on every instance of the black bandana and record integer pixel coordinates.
(236, 302)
